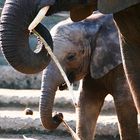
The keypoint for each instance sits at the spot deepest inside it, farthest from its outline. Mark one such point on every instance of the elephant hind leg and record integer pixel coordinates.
(131, 56)
(128, 21)
(126, 111)
(128, 125)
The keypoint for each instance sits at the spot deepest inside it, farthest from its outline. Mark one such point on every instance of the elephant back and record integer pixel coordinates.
(113, 6)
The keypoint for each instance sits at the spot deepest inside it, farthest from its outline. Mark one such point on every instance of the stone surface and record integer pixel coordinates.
(107, 125)
(14, 120)
(27, 98)
(10, 78)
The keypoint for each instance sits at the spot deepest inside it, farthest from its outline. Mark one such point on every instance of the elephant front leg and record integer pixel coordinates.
(87, 114)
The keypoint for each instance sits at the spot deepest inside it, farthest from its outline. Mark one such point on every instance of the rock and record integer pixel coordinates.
(28, 111)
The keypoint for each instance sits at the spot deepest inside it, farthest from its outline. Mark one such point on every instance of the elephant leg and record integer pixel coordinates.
(126, 110)
(128, 21)
(87, 113)
(131, 56)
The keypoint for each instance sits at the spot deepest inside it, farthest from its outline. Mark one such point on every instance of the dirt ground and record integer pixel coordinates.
(49, 137)
(36, 137)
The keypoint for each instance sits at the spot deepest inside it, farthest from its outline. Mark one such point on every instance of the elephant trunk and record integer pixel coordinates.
(51, 80)
(46, 103)
(14, 36)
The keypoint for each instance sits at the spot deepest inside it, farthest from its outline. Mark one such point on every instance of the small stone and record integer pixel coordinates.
(28, 111)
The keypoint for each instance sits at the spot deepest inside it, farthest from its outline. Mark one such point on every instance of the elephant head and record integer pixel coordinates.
(87, 47)
(20, 16)
(17, 19)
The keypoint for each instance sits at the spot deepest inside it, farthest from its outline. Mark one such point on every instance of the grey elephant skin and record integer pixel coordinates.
(89, 50)
(16, 17)
(126, 14)
(14, 37)
(18, 14)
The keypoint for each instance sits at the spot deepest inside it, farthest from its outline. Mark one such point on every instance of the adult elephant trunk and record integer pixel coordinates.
(14, 35)
(51, 80)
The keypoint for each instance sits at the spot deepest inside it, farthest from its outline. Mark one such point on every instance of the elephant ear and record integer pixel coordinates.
(106, 52)
(113, 6)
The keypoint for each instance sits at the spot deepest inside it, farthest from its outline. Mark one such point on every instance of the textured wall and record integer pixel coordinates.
(10, 78)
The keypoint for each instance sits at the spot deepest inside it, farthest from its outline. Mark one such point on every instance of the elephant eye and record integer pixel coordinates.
(71, 56)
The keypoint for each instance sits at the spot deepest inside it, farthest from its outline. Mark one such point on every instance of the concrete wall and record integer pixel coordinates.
(10, 78)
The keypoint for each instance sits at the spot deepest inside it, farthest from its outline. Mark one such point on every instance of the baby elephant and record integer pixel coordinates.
(89, 50)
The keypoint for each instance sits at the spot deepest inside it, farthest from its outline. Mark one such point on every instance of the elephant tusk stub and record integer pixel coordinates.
(41, 14)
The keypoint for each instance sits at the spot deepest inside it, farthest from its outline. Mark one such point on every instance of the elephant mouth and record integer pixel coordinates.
(63, 86)
(71, 77)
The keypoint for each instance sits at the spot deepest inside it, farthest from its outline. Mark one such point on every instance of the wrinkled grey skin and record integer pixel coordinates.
(126, 14)
(15, 19)
(21, 12)
(89, 50)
